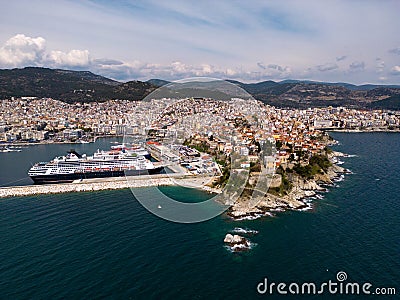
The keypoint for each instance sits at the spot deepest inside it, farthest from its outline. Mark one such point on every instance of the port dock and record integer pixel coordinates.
(111, 183)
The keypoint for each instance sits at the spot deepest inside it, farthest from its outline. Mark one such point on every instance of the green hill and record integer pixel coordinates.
(84, 86)
(68, 86)
(388, 103)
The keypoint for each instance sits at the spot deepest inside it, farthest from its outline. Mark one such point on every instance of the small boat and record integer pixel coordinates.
(6, 149)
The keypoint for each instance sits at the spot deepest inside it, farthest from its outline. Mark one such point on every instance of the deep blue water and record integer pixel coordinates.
(106, 245)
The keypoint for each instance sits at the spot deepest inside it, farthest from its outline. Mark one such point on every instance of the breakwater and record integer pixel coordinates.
(97, 184)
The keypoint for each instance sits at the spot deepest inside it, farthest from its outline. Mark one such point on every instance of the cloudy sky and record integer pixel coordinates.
(343, 40)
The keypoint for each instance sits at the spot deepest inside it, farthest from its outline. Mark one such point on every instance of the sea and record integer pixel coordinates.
(105, 245)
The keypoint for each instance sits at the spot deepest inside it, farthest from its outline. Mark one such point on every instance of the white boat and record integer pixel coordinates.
(6, 149)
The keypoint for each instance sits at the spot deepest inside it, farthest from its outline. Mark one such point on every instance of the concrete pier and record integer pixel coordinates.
(98, 184)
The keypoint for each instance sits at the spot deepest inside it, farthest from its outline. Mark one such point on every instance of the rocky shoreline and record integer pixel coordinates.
(299, 197)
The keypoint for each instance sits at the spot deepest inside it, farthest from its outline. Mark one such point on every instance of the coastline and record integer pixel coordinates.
(395, 130)
(51, 142)
(296, 199)
(299, 198)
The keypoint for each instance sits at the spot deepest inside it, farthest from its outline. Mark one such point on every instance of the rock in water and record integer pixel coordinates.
(237, 243)
(228, 238)
(237, 239)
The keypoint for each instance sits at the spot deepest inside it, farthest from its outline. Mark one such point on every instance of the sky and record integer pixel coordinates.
(355, 41)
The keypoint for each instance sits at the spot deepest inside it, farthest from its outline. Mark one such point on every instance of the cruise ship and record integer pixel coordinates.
(117, 162)
(133, 148)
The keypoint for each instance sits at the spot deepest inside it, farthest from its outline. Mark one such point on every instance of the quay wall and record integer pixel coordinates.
(89, 185)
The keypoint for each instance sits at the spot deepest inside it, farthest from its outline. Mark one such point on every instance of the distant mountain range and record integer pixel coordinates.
(68, 86)
(84, 86)
(302, 94)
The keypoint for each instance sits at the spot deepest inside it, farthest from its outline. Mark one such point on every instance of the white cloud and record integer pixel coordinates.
(178, 67)
(395, 51)
(232, 35)
(207, 69)
(357, 66)
(73, 58)
(272, 71)
(230, 73)
(277, 67)
(106, 61)
(261, 65)
(21, 50)
(395, 70)
(175, 70)
(327, 67)
(379, 65)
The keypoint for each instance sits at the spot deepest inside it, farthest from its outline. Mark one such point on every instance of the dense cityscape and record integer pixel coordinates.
(180, 130)
(199, 149)
(48, 120)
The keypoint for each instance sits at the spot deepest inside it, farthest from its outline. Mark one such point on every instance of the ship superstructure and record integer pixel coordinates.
(119, 161)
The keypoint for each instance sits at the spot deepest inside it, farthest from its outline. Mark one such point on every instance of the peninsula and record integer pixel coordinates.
(283, 152)
(213, 139)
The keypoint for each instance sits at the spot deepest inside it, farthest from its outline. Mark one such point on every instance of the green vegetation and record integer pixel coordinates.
(307, 171)
(392, 102)
(222, 180)
(328, 150)
(221, 162)
(285, 185)
(255, 167)
(84, 86)
(317, 164)
(300, 153)
(202, 147)
(68, 86)
(321, 161)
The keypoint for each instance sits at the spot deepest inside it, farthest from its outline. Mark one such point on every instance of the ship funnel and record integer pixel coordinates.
(74, 152)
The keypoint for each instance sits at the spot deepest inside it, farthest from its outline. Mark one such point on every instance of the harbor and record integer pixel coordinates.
(16, 183)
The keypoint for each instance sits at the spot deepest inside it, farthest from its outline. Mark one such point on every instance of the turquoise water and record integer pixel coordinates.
(106, 245)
